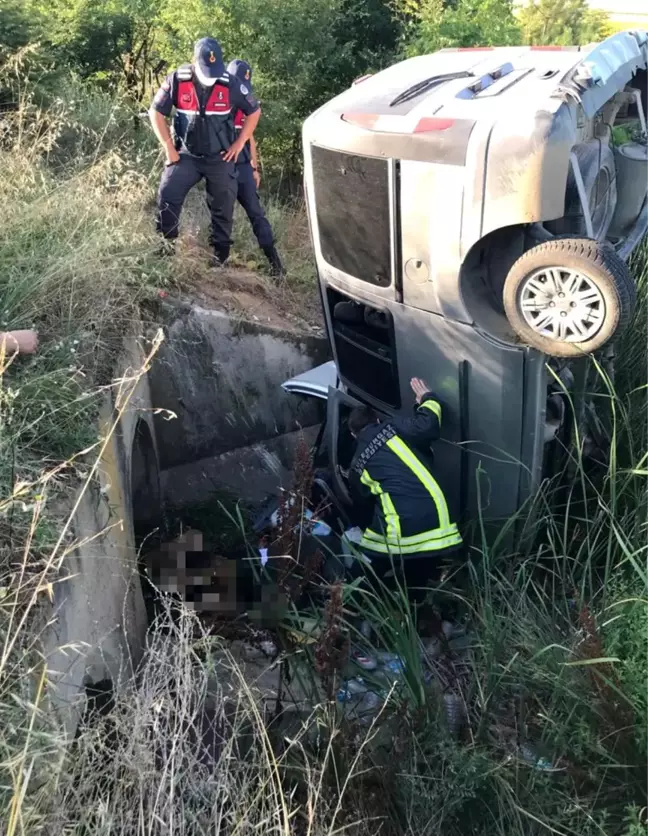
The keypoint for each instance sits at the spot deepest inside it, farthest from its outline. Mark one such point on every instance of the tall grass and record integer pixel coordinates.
(557, 657)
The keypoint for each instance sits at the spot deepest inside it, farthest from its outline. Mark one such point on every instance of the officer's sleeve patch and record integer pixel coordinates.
(244, 90)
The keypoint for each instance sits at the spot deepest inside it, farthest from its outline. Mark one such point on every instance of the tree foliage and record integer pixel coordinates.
(303, 52)
(562, 22)
(435, 24)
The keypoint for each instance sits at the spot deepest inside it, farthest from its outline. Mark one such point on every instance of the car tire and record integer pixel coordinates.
(598, 300)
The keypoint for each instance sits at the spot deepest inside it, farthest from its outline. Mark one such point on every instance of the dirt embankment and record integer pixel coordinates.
(250, 295)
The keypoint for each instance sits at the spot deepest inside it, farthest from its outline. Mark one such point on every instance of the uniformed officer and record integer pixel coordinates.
(205, 99)
(247, 168)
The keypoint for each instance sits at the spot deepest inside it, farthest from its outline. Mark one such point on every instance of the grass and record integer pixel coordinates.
(558, 652)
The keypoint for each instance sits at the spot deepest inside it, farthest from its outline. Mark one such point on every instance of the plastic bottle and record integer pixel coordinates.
(352, 689)
(363, 660)
(531, 756)
(454, 713)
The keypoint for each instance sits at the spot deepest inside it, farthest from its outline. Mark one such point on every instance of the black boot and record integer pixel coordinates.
(220, 256)
(276, 267)
(167, 247)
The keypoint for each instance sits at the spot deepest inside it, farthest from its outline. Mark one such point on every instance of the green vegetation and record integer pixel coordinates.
(558, 653)
(562, 22)
(302, 52)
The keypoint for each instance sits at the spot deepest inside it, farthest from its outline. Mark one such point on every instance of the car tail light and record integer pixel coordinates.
(430, 123)
(547, 48)
(361, 79)
(387, 123)
(362, 120)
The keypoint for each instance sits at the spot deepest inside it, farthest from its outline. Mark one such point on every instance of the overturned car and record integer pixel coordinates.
(472, 213)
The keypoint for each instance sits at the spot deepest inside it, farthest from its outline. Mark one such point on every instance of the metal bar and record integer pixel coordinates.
(640, 111)
(636, 234)
(582, 194)
(394, 228)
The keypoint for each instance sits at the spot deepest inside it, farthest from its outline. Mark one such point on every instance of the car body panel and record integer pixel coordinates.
(314, 382)
(402, 193)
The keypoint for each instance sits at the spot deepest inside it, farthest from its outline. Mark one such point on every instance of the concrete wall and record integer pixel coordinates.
(97, 621)
(222, 377)
(235, 427)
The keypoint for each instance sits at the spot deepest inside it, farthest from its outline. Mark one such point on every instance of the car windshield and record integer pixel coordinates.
(427, 84)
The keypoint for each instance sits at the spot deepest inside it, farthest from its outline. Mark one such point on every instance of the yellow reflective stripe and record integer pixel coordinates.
(397, 446)
(436, 544)
(414, 539)
(392, 519)
(433, 406)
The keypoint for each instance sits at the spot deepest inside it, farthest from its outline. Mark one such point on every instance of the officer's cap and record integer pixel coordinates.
(208, 55)
(240, 69)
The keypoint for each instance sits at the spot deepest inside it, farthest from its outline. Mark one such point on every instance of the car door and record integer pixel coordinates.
(339, 442)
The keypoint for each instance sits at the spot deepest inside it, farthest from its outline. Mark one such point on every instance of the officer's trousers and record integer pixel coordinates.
(248, 197)
(220, 181)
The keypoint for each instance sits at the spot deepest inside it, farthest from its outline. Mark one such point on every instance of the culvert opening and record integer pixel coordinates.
(223, 457)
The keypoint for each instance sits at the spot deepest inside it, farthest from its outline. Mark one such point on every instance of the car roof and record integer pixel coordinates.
(527, 77)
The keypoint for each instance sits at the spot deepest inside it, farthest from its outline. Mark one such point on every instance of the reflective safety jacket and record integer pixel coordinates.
(203, 123)
(392, 465)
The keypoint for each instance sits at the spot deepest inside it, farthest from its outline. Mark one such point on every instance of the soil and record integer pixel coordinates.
(251, 295)
(239, 291)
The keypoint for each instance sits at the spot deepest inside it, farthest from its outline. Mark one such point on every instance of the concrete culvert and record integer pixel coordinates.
(146, 495)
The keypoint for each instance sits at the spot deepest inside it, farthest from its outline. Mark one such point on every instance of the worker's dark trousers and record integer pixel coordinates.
(220, 181)
(248, 197)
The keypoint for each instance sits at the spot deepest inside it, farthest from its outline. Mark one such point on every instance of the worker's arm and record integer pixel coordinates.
(363, 501)
(242, 98)
(251, 121)
(425, 425)
(162, 132)
(254, 161)
(159, 111)
(21, 342)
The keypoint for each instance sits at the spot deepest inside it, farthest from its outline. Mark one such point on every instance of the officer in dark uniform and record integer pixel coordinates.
(205, 99)
(398, 502)
(249, 178)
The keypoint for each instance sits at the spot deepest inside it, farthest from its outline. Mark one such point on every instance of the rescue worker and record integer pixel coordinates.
(205, 99)
(249, 179)
(399, 504)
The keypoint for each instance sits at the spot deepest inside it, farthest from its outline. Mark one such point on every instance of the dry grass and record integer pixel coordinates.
(77, 255)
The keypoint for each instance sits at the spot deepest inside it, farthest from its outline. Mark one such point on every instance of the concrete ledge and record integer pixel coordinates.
(222, 377)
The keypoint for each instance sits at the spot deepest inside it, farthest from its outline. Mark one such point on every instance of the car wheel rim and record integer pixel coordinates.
(562, 304)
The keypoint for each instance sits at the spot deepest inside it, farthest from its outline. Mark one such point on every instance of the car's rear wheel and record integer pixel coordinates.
(569, 296)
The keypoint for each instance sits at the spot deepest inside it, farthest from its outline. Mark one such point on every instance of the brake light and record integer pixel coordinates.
(547, 48)
(361, 79)
(475, 49)
(387, 123)
(362, 120)
(429, 123)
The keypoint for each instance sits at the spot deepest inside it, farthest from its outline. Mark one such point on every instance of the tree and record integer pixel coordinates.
(562, 22)
(15, 28)
(113, 41)
(433, 24)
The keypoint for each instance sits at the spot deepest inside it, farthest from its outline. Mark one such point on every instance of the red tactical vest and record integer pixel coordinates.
(218, 102)
(206, 132)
